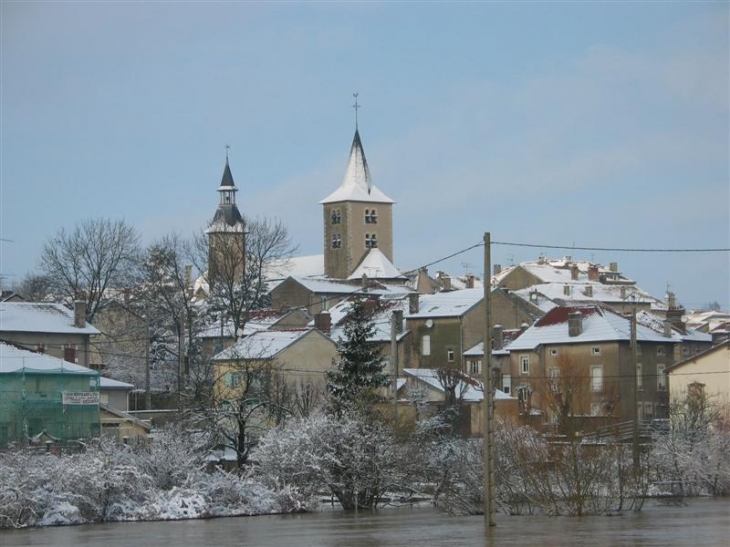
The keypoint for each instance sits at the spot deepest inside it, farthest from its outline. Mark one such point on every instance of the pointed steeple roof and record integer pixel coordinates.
(227, 180)
(357, 184)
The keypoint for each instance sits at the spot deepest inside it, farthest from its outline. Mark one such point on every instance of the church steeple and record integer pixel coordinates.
(358, 217)
(226, 233)
(227, 212)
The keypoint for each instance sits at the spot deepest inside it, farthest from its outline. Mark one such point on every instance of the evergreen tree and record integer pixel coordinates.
(360, 370)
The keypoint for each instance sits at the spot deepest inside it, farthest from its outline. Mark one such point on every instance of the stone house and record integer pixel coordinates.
(591, 344)
(706, 373)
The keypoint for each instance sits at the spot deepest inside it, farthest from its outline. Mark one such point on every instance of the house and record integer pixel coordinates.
(116, 422)
(42, 395)
(442, 327)
(706, 373)
(591, 346)
(51, 329)
(432, 389)
(299, 357)
(568, 282)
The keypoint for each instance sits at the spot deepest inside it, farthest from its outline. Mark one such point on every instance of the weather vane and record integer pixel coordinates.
(355, 106)
(228, 147)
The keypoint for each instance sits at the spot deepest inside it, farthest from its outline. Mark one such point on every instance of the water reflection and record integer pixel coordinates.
(701, 523)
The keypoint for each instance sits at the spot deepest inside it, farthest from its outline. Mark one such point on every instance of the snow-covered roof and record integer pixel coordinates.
(265, 344)
(557, 270)
(326, 286)
(478, 351)
(381, 319)
(447, 304)
(40, 317)
(298, 266)
(375, 265)
(584, 291)
(470, 389)
(108, 383)
(257, 320)
(14, 359)
(599, 325)
(357, 184)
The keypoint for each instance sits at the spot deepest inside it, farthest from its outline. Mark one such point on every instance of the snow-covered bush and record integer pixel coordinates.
(350, 456)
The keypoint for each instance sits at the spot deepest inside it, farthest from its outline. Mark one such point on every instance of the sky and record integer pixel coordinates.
(591, 124)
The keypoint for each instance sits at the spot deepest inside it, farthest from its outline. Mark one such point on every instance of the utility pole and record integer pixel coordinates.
(180, 361)
(634, 353)
(147, 387)
(489, 505)
(394, 319)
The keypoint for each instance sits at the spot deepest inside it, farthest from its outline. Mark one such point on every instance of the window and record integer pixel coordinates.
(648, 411)
(426, 345)
(596, 409)
(506, 383)
(525, 364)
(336, 217)
(371, 216)
(40, 348)
(661, 379)
(553, 353)
(450, 355)
(639, 377)
(475, 367)
(660, 351)
(371, 241)
(69, 354)
(685, 351)
(595, 350)
(554, 376)
(336, 241)
(232, 379)
(597, 378)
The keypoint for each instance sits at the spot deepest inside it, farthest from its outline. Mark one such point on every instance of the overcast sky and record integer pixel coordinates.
(549, 123)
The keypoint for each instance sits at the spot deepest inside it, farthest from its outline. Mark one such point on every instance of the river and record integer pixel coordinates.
(702, 522)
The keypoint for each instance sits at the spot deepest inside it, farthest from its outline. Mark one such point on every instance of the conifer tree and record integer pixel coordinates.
(360, 370)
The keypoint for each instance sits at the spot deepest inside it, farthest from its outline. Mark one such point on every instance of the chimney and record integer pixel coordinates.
(575, 324)
(79, 314)
(413, 303)
(445, 282)
(398, 318)
(497, 269)
(592, 272)
(589, 291)
(613, 266)
(497, 337)
(524, 327)
(667, 329)
(566, 290)
(672, 300)
(623, 293)
(541, 259)
(323, 322)
(469, 281)
(574, 272)
(364, 281)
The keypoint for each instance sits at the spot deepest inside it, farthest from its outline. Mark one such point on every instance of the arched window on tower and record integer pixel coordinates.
(371, 241)
(336, 216)
(336, 241)
(371, 216)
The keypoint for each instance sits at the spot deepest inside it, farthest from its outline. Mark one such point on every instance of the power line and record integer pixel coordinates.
(611, 249)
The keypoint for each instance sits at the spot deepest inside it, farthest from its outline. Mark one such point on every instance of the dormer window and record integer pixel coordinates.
(371, 216)
(371, 241)
(336, 241)
(336, 217)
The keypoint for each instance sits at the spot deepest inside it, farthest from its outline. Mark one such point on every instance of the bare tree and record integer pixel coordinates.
(83, 264)
(237, 283)
(34, 287)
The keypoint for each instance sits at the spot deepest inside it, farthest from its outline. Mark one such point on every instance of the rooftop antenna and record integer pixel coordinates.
(228, 147)
(511, 259)
(355, 106)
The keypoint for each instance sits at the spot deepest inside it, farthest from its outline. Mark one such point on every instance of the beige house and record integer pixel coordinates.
(51, 329)
(707, 373)
(298, 357)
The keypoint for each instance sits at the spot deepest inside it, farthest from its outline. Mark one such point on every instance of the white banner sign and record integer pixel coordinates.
(80, 397)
